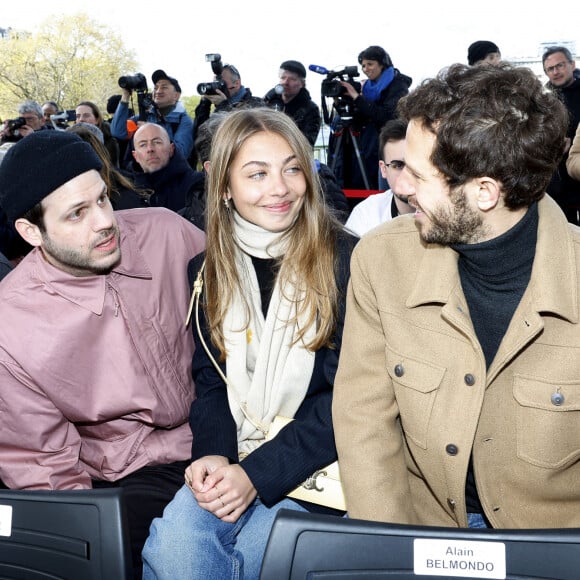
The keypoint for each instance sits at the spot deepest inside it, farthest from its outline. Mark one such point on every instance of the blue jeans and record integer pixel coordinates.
(476, 521)
(190, 543)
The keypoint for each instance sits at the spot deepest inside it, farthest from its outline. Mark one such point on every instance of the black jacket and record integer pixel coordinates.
(563, 188)
(171, 185)
(194, 209)
(302, 109)
(303, 446)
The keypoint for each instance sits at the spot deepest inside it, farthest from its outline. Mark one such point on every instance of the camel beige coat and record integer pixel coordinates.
(412, 398)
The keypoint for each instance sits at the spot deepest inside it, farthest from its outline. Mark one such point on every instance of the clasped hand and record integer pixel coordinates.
(219, 487)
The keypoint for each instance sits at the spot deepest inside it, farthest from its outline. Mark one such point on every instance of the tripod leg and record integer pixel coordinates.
(359, 159)
(335, 152)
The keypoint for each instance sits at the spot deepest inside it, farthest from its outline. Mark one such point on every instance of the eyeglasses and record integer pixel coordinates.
(396, 164)
(559, 66)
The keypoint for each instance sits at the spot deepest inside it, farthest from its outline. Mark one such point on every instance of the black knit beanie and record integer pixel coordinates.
(479, 50)
(40, 163)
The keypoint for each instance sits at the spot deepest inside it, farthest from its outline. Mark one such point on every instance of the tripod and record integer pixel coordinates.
(351, 142)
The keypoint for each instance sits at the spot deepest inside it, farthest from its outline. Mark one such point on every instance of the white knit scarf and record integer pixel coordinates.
(267, 374)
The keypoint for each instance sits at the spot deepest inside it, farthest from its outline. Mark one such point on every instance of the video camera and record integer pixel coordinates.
(331, 86)
(61, 120)
(217, 67)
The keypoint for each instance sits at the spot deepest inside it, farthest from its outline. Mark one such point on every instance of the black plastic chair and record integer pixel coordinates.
(308, 546)
(72, 535)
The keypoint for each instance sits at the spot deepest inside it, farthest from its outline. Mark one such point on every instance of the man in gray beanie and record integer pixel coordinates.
(95, 358)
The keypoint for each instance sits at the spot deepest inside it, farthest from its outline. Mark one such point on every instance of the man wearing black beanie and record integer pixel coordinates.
(483, 52)
(292, 97)
(95, 377)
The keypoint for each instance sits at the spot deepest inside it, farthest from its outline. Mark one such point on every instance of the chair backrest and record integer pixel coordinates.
(313, 546)
(73, 535)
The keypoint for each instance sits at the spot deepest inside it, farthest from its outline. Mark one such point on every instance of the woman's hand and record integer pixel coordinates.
(350, 90)
(222, 489)
(197, 472)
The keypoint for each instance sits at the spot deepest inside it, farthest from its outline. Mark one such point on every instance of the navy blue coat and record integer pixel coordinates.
(304, 445)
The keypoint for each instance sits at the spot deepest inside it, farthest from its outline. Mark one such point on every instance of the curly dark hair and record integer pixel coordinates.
(496, 121)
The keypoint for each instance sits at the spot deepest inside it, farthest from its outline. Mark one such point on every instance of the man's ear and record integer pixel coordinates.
(29, 232)
(488, 194)
(207, 165)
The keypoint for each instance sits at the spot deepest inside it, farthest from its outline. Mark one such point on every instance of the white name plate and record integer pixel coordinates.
(459, 558)
(5, 520)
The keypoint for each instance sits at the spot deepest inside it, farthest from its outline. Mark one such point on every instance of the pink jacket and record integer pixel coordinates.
(95, 373)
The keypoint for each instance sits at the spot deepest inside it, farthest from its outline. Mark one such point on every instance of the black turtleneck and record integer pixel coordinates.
(494, 276)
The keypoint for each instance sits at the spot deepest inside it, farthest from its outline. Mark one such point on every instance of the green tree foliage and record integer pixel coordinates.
(190, 103)
(68, 60)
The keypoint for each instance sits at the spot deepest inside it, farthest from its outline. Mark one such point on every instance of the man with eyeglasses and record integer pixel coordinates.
(564, 79)
(382, 207)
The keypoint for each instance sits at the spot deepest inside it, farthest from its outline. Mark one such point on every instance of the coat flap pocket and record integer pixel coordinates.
(413, 373)
(548, 395)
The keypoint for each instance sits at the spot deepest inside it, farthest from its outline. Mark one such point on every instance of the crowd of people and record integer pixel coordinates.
(170, 286)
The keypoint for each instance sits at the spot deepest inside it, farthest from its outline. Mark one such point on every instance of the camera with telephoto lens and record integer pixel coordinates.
(136, 82)
(15, 124)
(331, 86)
(217, 67)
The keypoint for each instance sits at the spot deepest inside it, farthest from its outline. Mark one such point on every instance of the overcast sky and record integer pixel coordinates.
(421, 37)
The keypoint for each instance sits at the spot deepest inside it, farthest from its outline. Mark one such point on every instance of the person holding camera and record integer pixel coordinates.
(232, 94)
(373, 105)
(292, 97)
(30, 119)
(164, 108)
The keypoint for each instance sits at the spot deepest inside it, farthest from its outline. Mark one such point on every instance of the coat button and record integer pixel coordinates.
(469, 380)
(451, 449)
(399, 370)
(451, 503)
(557, 399)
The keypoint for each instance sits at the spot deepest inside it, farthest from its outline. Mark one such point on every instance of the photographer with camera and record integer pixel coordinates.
(225, 93)
(30, 119)
(373, 105)
(292, 97)
(163, 107)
